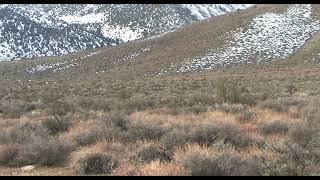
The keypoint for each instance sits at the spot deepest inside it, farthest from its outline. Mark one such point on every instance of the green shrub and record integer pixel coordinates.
(15, 109)
(57, 124)
(59, 108)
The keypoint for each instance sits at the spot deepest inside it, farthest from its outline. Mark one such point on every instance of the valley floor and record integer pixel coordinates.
(249, 122)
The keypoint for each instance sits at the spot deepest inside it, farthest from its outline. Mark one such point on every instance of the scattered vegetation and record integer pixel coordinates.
(276, 127)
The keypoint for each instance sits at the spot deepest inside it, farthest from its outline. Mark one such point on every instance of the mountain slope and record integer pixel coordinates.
(29, 31)
(242, 38)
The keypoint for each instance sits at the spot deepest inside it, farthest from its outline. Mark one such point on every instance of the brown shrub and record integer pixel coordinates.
(96, 134)
(206, 134)
(311, 113)
(218, 160)
(7, 153)
(246, 116)
(138, 104)
(282, 104)
(151, 152)
(96, 163)
(33, 145)
(276, 127)
(231, 108)
(60, 108)
(156, 168)
(144, 130)
(15, 109)
(43, 151)
(126, 169)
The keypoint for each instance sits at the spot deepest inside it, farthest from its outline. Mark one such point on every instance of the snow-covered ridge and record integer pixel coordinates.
(203, 11)
(86, 19)
(269, 37)
(37, 30)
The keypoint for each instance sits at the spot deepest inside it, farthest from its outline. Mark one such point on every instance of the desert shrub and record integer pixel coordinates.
(206, 134)
(246, 116)
(199, 161)
(157, 168)
(292, 159)
(142, 130)
(282, 104)
(302, 134)
(214, 161)
(15, 109)
(7, 153)
(33, 145)
(231, 108)
(306, 137)
(267, 94)
(248, 99)
(124, 93)
(126, 169)
(235, 165)
(221, 89)
(94, 104)
(60, 108)
(233, 93)
(201, 99)
(177, 136)
(43, 151)
(96, 163)
(177, 101)
(273, 105)
(96, 134)
(233, 135)
(118, 119)
(57, 124)
(138, 104)
(291, 88)
(184, 134)
(311, 113)
(276, 127)
(196, 109)
(22, 132)
(151, 152)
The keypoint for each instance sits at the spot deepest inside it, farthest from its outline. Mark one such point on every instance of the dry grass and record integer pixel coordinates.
(156, 168)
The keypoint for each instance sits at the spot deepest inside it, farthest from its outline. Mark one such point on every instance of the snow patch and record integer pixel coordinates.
(203, 11)
(5, 52)
(132, 55)
(269, 37)
(86, 19)
(3, 6)
(120, 32)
